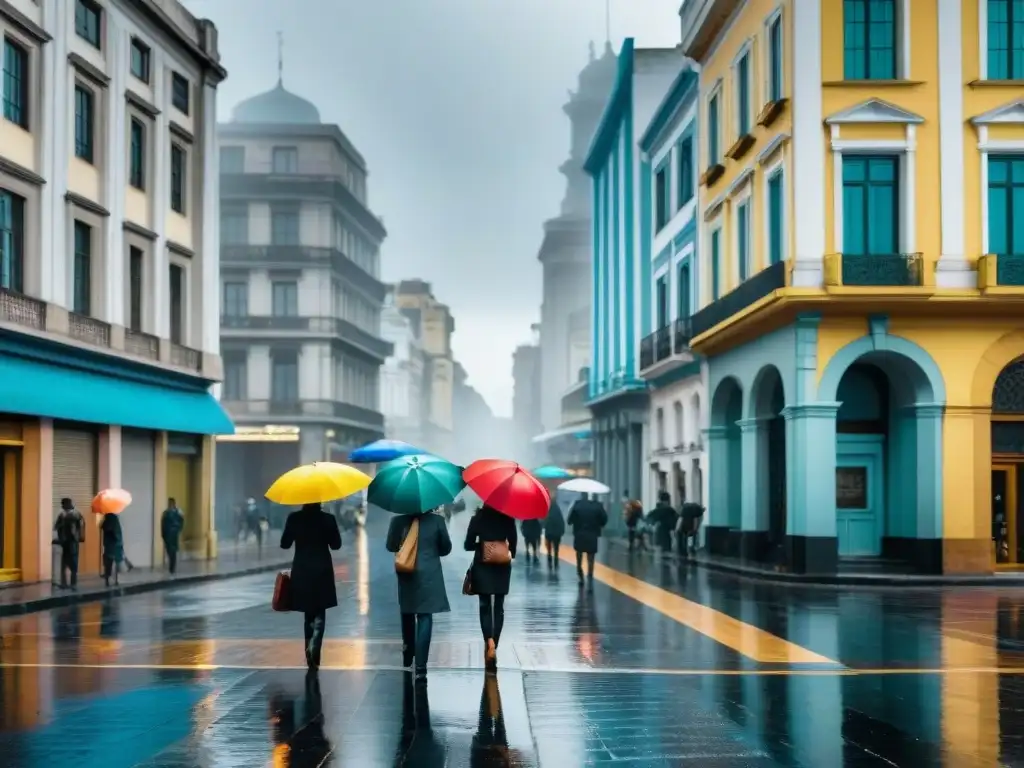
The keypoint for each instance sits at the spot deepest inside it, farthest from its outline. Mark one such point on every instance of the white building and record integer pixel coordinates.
(109, 333)
(403, 387)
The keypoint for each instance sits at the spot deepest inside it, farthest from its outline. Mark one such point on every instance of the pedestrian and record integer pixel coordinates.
(492, 539)
(532, 530)
(663, 519)
(113, 547)
(314, 533)
(421, 593)
(171, 525)
(588, 519)
(253, 522)
(688, 527)
(69, 534)
(554, 529)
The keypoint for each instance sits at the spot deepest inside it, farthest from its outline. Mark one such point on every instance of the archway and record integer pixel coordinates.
(726, 465)
(1008, 464)
(767, 505)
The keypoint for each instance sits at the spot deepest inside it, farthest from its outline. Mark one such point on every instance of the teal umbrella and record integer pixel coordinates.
(413, 484)
(551, 472)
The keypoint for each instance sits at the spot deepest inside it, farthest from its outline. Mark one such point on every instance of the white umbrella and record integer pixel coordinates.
(584, 485)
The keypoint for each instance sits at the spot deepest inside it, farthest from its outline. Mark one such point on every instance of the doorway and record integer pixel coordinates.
(10, 484)
(1004, 514)
(859, 498)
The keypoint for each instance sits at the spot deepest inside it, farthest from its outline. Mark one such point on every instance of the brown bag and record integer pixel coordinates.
(496, 553)
(282, 592)
(405, 558)
(467, 582)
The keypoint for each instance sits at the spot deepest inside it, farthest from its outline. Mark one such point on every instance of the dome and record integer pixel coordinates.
(276, 106)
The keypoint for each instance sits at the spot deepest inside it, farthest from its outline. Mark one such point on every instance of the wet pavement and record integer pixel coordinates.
(655, 665)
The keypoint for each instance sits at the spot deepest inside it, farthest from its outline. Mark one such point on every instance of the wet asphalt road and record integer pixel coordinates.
(655, 665)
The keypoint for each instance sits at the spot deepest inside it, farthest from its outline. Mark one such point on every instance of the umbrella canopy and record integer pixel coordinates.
(584, 485)
(380, 451)
(551, 472)
(413, 484)
(112, 501)
(317, 483)
(508, 488)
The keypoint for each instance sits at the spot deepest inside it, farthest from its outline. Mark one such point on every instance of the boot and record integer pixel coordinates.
(491, 656)
(316, 643)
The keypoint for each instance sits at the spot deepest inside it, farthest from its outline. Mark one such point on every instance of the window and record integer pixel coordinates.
(84, 104)
(135, 277)
(285, 160)
(232, 159)
(661, 308)
(138, 61)
(1005, 39)
(87, 21)
(869, 39)
(716, 267)
(870, 205)
(284, 384)
(235, 377)
(713, 136)
(234, 224)
(15, 84)
(685, 172)
(775, 221)
(177, 303)
(743, 238)
(178, 179)
(661, 201)
(179, 93)
(660, 422)
(137, 155)
(81, 299)
(743, 101)
(236, 299)
(775, 61)
(1006, 205)
(284, 227)
(285, 299)
(12, 241)
(684, 288)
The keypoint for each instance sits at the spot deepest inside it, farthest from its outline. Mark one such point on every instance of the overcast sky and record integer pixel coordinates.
(457, 107)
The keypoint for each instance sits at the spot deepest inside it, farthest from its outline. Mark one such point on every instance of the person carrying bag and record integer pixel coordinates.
(492, 537)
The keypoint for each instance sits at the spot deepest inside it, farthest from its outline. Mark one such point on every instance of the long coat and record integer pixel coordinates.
(531, 530)
(490, 525)
(423, 590)
(170, 528)
(113, 538)
(314, 534)
(587, 518)
(663, 517)
(554, 523)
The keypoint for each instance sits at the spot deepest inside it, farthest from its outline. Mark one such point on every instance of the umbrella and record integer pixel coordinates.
(551, 472)
(584, 485)
(414, 484)
(380, 451)
(317, 483)
(508, 488)
(112, 501)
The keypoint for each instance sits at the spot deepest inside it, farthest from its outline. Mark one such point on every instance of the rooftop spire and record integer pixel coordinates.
(280, 58)
(608, 21)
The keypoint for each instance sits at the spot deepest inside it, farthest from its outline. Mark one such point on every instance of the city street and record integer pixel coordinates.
(655, 666)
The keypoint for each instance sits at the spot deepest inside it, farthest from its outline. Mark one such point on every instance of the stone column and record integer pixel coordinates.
(754, 488)
(716, 518)
(633, 481)
(967, 488)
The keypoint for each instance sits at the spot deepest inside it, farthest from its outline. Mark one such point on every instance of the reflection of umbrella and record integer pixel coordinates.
(415, 484)
(112, 501)
(584, 485)
(317, 483)
(551, 472)
(508, 488)
(380, 451)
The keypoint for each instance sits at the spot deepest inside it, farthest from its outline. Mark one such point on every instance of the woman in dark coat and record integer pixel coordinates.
(113, 546)
(421, 593)
(314, 533)
(490, 581)
(554, 530)
(531, 530)
(587, 518)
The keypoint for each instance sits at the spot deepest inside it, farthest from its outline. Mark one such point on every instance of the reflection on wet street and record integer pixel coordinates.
(654, 665)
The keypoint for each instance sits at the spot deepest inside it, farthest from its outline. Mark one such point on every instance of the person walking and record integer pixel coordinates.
(314, 534)
(663, 518)
(69, 534)
(421, 593)
(688, 527)
(492, 539)
(531, 530)
(253, 521)
(113, 547)
(554, 530)
(171, 525)
(633, 514)
(588, 519)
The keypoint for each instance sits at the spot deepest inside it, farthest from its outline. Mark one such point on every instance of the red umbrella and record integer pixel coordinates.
(508, 488)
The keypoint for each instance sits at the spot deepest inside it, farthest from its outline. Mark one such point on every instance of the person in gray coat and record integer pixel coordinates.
(587, 518)
(421, 593)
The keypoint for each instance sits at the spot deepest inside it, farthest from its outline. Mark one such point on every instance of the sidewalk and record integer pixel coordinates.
(233, 560)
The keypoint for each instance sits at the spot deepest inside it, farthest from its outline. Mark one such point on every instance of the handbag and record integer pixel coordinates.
(467, 582)
(495, 553)
(405, 557)
(282, 592)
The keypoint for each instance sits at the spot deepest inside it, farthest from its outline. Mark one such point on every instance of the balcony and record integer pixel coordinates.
(1001, 274)
(337, 328)
(895, 270)
(292, 256)
(746, 294)
(306, 411)
(143, 345)
(89, 330)
(186, 357)
(22, 310)
(666, 349)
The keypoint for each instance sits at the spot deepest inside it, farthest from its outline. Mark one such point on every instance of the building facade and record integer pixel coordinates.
(618, 399)
(108, 258)
(404, 391)
(526, 401)
(860, 205)
(675, 375)
(301, 295)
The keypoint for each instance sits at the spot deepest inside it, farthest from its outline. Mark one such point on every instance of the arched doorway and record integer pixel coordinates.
(1008, 464)
(767, 401)
(725, 512)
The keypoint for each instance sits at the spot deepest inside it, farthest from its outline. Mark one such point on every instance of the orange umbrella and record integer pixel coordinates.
(111, 501)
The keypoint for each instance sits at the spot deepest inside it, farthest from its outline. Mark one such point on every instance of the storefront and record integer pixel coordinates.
(11, 445)
(138, 477)
(248, 462)
(76, 476)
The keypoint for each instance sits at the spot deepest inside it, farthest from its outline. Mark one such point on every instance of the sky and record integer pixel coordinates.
(456, 105)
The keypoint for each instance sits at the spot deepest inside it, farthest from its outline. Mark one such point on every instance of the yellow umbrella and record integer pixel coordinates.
(317, 483)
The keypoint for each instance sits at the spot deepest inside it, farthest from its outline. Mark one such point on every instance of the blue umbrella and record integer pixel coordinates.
(380, 451)
(551, 472)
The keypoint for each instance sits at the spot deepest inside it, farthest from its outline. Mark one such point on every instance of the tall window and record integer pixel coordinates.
(179, 93)
(285, 159)
(871, 197)
(236, 299)
(661, 203)
(661, 308)
(1006, 205)
(177, 307)
(1005, 39)
(84, 123)
(137, 155)
(15, 83)
(135, 284)
(284, 226)
(684, 289)
(81, 299)
(234, 224)
(743, 238)
(138, 61)
(775, 60)
(236, 377)
(178, 178)
(776, 247)
(743, 101)
(716, 266)
(869, 39)
(12, 243)
(285, 299)
(713, 129)
(232, 160)
(685, 172)
(284, 383)
(87, 21)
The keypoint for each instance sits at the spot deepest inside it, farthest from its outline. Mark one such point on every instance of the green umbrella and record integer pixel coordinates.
(413, 484)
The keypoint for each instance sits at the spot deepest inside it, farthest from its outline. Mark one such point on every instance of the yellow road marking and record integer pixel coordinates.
(746, 639)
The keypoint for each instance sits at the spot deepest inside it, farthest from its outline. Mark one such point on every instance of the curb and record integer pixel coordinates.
(77, 598)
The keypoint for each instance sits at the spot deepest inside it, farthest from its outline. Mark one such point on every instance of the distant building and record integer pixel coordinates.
(526, 399)
(404, 389)
(478, 433)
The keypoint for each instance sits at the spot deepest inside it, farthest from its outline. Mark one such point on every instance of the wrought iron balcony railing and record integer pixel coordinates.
(742, 296)
(1001, 270)
(22, 310)
(88, 329)
(877, 270)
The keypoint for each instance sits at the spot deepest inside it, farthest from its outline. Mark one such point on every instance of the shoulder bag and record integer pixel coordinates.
(405, 558)
(495, 553)
(467, 582)
(282, 592)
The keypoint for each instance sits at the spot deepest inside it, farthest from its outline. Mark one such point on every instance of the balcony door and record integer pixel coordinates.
(1006, 205)
(661, 309)
(284, 384)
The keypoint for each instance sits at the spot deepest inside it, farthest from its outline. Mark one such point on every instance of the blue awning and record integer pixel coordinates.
(39, 388)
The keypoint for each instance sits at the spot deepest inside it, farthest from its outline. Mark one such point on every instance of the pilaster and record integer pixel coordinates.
(811, 469)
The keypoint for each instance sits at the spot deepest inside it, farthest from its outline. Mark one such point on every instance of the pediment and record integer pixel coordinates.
(1008, 113)
(874, 111)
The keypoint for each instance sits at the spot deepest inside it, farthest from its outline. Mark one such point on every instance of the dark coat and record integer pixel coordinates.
(490, 525)
(170, 528)
(554, 523)
(587, 518)
(663, 518)
(113, 538)
(531, 530)
(422, 591)
(314, 534)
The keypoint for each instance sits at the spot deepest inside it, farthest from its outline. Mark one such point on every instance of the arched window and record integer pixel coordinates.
(680, 436)
(1008, 392)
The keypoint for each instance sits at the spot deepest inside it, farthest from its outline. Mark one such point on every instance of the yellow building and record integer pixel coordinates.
(862, 270)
